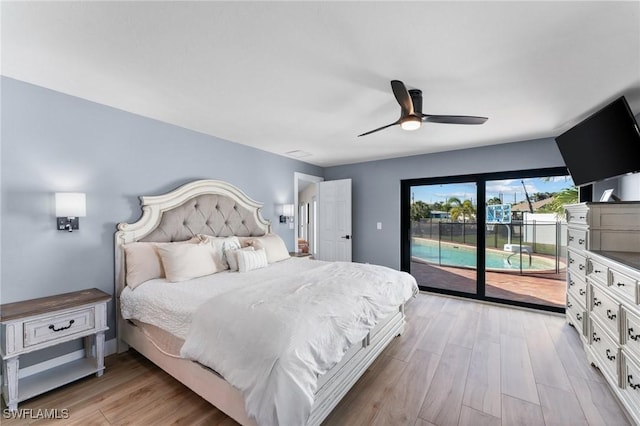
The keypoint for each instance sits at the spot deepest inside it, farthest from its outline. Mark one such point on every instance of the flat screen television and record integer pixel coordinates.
(605, 145)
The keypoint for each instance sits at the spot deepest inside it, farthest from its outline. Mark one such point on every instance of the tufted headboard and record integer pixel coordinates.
(209, 207)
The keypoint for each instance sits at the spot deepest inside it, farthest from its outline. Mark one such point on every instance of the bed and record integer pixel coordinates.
(169, 321)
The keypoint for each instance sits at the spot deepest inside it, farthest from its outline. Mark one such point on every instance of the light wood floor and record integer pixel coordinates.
(459, 362)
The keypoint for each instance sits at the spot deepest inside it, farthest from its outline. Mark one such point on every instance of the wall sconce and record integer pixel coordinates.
(69, 207)
(287, 213)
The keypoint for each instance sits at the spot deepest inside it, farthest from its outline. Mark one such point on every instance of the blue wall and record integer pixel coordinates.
(376, 187)
(52, 142)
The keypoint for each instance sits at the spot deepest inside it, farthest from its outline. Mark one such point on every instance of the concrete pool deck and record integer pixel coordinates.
(543, 289)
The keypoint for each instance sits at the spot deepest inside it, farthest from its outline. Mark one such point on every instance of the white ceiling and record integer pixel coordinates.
(311, 76)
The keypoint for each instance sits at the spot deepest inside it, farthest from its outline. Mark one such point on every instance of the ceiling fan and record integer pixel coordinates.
(411, 116)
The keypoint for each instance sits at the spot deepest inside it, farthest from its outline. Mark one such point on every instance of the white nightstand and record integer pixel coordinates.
(37, 324)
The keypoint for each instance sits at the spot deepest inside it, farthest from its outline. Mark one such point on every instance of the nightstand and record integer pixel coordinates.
(32, 325)
(299, 254)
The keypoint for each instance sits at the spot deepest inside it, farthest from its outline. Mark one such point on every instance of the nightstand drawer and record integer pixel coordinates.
(58, 326)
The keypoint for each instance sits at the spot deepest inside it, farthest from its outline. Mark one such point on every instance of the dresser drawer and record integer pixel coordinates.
(631, 382)
(605, 350)
(58, 326)
(597, 270)
(577, 238)
(576, 315)
(624, 285)
(577, 288)
(631, 332)
(577, 214)
(577, 263)
(606, 310)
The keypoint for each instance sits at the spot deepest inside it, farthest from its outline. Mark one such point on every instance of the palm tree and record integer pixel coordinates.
(563, 197)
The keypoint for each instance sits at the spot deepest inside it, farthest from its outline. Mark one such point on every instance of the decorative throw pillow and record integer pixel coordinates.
(274, 246)
(221, 245)
(182, 262)
(250, 260)
(143, 262)
(232, 257)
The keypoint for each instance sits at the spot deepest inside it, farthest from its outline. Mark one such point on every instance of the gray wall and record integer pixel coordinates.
(52, 142)
(376, 187)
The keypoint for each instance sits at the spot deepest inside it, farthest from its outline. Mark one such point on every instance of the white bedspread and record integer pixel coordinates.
(170, 306)
(272, 338)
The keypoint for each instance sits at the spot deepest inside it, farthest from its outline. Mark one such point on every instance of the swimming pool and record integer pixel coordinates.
(450, 254)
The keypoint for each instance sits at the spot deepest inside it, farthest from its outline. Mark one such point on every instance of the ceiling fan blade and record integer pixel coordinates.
(453, 119)
(379, 128)
(402, 96)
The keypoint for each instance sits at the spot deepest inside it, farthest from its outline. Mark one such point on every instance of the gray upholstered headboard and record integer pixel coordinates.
(209, 207)
(210, 214)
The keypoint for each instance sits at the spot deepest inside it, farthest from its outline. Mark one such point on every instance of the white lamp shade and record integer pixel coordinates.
(71, 204)
(288, 210)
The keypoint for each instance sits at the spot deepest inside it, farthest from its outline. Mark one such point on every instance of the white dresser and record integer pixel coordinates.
(603, 292)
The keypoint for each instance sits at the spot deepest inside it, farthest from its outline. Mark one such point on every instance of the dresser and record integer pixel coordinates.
(603, 292)
(37, 324)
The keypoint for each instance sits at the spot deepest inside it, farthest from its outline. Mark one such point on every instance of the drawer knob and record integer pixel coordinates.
(582, 217)
(571, 283)
(596, 302)
(581, 267)
(620, 284)
(578, 316)
(610, 315)
(581, 241)
(595, 337)
(611, 357)
(635, 337)
(570, 237)
(569, 304)
(571, 260)
(53, 327)
(582, 292)
(597, 271)
(633, 385)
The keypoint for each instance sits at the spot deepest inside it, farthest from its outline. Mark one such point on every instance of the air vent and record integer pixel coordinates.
(298, 153)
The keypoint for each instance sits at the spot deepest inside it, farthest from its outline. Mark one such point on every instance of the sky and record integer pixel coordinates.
(509, 190)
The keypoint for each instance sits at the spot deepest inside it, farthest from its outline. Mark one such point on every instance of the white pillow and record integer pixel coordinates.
(222, 245)
(232, 257)
(274, 246)
(143, 262)
(249, 260)
(182, 262)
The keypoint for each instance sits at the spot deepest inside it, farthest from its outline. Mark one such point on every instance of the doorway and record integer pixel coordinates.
(305, 218)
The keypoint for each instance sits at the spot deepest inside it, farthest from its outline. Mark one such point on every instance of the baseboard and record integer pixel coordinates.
(110, 347)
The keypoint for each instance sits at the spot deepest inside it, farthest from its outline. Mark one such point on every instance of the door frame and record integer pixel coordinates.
(480, 180)
(297, 177)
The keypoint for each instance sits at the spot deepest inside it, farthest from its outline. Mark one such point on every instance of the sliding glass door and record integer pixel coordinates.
(444, 236)
(498, 237)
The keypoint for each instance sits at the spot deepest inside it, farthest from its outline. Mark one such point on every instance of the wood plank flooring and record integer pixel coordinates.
(459, 362)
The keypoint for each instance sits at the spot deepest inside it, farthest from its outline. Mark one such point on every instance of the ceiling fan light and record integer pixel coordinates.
(411, 123)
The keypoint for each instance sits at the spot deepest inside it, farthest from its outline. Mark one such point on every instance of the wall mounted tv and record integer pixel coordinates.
(605, 145)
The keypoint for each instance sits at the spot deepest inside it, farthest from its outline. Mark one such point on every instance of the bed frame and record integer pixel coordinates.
(218, 208)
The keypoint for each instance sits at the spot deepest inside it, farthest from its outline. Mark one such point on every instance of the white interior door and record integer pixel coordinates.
(334, 220)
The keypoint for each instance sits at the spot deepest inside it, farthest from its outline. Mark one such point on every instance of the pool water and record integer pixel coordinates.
(461, 255)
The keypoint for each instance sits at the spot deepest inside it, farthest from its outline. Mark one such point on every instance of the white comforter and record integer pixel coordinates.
(272, 339)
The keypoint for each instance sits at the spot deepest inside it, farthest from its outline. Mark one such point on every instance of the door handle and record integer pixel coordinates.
(346, 237)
